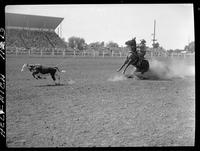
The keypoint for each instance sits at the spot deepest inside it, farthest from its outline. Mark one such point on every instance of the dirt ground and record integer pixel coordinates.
(89, 110)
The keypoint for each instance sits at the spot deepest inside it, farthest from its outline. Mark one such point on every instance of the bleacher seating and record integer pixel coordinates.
(33, 38)
(12, 38)
(55, 40)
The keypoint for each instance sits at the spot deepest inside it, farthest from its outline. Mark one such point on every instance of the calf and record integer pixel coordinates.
(38, 70)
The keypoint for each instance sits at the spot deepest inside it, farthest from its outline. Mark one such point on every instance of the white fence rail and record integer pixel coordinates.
(58, 52)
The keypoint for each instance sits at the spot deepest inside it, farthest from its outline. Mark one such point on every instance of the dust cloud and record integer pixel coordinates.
(169, 70)
(117, 78)
(162, 70)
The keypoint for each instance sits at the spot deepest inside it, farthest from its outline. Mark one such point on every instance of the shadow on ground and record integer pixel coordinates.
(53, 85)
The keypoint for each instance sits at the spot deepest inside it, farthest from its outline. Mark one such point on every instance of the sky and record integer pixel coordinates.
(120, 22)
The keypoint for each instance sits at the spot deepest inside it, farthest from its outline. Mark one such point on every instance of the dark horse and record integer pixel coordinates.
(133, 59)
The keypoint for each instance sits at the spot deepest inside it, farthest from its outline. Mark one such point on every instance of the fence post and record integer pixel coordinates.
(41, 52)
(103, 53)
(46, 51)
(93, 53)
(63, 52)
(74, 53)
(16, 51)
(120, 53)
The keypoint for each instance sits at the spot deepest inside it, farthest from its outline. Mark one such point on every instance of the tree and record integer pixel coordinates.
(156, 45)
(190, 47)
(96, 45)
(76, 43)
(65, 42)
(178, 50)
(102, 44)
(170, 50)
(112, 44)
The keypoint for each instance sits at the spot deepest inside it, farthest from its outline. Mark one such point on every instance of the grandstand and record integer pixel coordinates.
(32, 32)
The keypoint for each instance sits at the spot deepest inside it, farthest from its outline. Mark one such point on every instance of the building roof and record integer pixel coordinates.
(31, 21)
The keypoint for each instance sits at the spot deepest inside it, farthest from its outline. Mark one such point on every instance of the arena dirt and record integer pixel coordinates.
(90, 109)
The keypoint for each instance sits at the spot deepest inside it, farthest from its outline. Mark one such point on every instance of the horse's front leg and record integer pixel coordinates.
(126, 61)
(126, 67)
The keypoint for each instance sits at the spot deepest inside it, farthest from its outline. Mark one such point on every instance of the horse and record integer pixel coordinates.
(133, 59)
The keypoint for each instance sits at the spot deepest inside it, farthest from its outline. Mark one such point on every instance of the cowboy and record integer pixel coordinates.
(141, 51)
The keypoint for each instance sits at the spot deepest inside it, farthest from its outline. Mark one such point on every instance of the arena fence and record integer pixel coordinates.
(68, 52)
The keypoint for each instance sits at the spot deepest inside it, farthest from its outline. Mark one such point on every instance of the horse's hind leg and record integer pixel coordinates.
(136, 75)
